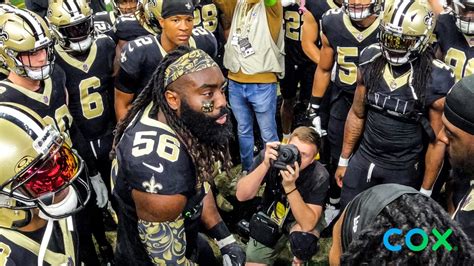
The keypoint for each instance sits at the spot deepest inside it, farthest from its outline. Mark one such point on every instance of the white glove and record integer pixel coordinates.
(100, 190)
(317, 126)
(286, 3)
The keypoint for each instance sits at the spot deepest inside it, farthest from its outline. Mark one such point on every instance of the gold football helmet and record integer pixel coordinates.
(24, 34)
(405, 30)
(72, 24)
(152, 13)
(36, 165)
(464, 12)
(360, 9)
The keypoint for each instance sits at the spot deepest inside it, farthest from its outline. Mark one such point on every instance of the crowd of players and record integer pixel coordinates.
(372, 79)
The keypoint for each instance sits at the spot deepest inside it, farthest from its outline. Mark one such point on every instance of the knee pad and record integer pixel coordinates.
(303, 245)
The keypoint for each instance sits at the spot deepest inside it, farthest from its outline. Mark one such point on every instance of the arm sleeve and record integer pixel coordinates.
(164, 242)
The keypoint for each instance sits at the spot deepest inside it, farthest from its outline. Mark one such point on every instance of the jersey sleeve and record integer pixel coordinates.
(154, 161)
(205, 41)
(129, 74)
(311, 6)
(442, 79)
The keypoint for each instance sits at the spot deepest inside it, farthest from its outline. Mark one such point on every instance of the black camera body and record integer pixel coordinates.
(287, 155)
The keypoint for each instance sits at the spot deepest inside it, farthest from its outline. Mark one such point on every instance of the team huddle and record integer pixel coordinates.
(133, 111)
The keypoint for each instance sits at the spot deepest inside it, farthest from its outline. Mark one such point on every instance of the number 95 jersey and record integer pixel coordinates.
(90, 86)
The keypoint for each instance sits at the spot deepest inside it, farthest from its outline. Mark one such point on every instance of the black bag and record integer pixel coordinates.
(264, 230)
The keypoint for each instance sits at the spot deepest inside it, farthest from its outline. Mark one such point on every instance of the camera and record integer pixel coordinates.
(287, 155)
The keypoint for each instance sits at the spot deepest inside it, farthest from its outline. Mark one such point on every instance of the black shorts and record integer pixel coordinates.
(295, 74)
(362, 174)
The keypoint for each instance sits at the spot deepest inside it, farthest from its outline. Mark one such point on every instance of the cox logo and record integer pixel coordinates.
(441, 239)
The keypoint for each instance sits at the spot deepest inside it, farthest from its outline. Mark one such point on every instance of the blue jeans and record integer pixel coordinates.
(246, 98)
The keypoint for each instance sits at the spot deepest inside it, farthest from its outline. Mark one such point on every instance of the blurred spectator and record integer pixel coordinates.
(254, 55)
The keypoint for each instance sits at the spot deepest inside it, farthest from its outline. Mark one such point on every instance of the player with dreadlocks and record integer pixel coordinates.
(399, 98)
(361, 235)
(176, 128)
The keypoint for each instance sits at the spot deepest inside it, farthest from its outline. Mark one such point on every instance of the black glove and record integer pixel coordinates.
(313, 107)
(232, 254)
(312, 114)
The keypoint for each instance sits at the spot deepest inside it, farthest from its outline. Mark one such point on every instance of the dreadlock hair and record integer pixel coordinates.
(407, 212)
(202, 155)
(421, 74)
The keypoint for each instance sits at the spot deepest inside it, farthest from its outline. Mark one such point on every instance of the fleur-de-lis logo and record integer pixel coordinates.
(188, 6)
(152, 186)
(3, 35)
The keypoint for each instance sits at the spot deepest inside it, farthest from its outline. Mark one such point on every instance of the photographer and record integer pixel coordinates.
(296, 186)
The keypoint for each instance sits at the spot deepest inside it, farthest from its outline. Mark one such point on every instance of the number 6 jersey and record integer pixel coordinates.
(89, 83)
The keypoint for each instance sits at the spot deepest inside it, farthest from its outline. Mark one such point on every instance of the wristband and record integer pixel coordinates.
(315, 102)
(226, 241)
(427, 192)
(219, 231)
(343, 161)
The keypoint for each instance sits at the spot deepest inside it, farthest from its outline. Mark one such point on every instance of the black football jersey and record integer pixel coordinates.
(90, 85)
(317, 9)
(13, 253)
(104, 24)
(206, 15)
(456, 51)
(140, 58)
(388, 140)
(127, 28)
(464, 214)
(347, 41)
(151, 159)
(293, 20)
(3, 72)
(50, 102)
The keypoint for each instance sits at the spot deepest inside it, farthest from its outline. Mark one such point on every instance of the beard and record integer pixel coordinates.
(205, 128)
(462, 169)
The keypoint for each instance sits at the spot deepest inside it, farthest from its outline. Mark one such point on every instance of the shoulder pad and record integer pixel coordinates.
(369, 54)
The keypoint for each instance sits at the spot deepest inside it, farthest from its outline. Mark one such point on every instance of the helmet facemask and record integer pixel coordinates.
(56, 172)
(77, 36)
(125, 7)
(464, 14)
(400, 48)
(358, 12)
(25, 67)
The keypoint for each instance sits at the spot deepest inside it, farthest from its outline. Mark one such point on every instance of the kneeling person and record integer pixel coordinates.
(292, 200)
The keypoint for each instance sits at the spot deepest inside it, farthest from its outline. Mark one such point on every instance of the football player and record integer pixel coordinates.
(140, 57)
(345, 32)
(176, 128)
(87, 60)
(399, 99)
(299, 69)
(456, 47)
(310, 39)
(43, 183)
(27, 50)
(384, 217)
